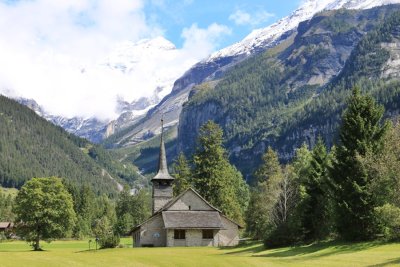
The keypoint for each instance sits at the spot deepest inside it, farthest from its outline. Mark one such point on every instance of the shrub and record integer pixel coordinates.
(388, 220)
(105, 234)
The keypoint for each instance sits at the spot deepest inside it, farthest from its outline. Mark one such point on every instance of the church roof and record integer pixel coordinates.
(184, 217)
(162, 173)
(192, 220)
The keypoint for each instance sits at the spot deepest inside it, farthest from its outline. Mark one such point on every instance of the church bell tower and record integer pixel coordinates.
(162, 182)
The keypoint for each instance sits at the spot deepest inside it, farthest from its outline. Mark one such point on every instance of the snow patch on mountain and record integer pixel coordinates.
(267, 37)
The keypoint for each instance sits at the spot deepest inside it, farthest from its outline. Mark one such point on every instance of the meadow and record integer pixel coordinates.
(76, 253)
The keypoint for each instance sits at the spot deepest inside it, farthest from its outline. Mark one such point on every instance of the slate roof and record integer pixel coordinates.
(192, 220)
(162, 173)
(173, 201)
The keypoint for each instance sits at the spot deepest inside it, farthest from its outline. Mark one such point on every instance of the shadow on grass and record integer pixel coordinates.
(388, 263)
(30, 250)
(253, 247)
(321, 249)
(86, 251)
(331, 247)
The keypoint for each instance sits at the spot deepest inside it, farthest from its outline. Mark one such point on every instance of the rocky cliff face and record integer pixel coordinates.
(291, 94)
(215, 66)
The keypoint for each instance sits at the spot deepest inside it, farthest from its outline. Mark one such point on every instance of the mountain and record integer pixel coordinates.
(129, 59)
(30, 147)
(297, 90)
(215, 67)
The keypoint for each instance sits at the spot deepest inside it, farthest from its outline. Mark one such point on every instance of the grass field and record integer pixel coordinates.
(75, 253)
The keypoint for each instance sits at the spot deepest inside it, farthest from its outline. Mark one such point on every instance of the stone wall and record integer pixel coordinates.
(229, 236)
(194, 238)
(152, 232)
(192, 200)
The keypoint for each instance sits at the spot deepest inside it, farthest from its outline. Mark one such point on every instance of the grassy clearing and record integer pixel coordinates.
(75, 253)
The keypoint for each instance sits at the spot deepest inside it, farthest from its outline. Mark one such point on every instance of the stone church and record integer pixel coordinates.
(186, 220)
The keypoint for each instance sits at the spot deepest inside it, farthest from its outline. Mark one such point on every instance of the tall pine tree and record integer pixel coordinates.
(264, 196)
(361, 132)
(317, 207)
(214, 177)
(182, 173)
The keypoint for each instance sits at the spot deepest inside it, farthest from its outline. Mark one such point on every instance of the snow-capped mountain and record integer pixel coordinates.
(219, 62)
(167, 88)
(144, 64)
(269, 36)
(141, 58)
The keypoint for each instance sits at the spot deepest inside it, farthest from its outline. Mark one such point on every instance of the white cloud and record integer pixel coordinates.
(45, 45)
(203, 41)
(240, 17)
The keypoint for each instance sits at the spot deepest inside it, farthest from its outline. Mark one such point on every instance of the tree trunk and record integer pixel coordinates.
(36, 246)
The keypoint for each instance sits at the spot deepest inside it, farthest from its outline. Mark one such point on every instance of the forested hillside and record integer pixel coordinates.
(297, 90)
(32, 147)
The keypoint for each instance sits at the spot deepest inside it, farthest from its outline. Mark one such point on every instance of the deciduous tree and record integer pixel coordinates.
(44, 211)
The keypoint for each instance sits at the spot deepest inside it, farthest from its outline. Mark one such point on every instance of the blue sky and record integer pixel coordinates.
(50, 42)
(175, 15)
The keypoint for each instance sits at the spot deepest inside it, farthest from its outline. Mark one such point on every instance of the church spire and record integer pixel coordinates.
(162, 162)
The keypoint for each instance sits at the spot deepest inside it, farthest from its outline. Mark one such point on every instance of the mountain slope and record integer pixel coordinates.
(32, 147)
(215, 67)
(296, 91)
(145, 65)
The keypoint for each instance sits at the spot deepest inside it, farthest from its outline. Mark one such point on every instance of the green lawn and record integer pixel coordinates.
(75, 253)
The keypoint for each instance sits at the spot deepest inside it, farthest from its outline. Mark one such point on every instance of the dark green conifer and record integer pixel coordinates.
(361, 132)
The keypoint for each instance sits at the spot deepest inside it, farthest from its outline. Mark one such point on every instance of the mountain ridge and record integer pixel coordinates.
(215, 67)
(285, 97)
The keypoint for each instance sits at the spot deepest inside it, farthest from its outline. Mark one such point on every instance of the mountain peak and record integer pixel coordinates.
(269, 36)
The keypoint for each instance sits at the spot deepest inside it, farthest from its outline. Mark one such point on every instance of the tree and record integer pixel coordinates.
(6, 202)
(285, 227)
(131, 210)
(384, 167)
(214, 177)
(44, 211)
(270, 166)
(361, 132)
(317, 209)
(264, 196)
(105, 233)
(182, 173)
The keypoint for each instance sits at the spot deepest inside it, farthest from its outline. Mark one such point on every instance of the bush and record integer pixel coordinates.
(105, 234)
(388, 221)
(284, 235)
(109, 240)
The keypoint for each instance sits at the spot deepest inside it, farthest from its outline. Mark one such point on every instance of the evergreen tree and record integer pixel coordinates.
(302, 161)
(182, 173)
(270, 166)
(316, 213)
(6, 203)
(214, 177)
(264, 196)
(361, 132)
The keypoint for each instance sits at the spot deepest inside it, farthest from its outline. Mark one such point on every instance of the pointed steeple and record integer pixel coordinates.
(162, 162)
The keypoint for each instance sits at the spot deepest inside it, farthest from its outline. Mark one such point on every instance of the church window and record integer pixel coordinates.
(179, 234)
(208, 234)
